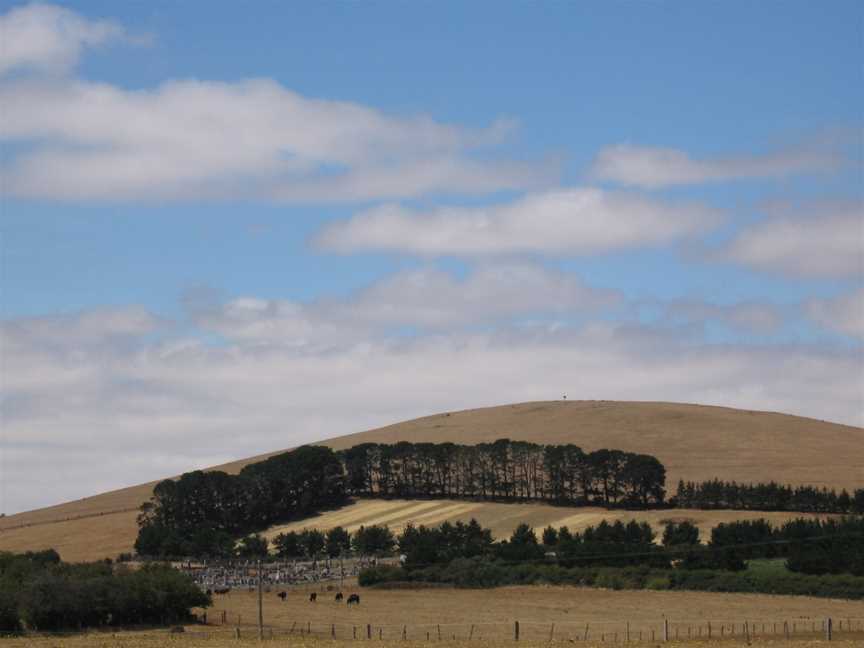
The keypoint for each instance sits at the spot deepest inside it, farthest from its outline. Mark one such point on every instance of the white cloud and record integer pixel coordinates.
(81, 391)
(842, 314)
(427, 299)
(652, 168)
(50, 38)
(821, 241)
(750, 317)
(70, 407)
(251, 139)
(570, 221)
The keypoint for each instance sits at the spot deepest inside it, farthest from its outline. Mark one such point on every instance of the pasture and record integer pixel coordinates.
(564, 613)
(157, 640)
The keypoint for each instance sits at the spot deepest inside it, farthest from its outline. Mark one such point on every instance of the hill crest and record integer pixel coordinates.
(694, 442)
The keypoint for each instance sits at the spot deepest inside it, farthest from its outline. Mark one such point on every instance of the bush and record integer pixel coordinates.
(485, 572)
(9, 620)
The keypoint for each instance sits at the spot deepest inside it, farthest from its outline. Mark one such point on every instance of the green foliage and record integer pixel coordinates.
(338, 542)
(253, 546)
(199, 513)
(488, 572)
(677, 534)
(717, 494)
(373, 540)
(422, 545)
(9, 616)
(312, 542)
(550, 536)
(49, 595)
(287, 545)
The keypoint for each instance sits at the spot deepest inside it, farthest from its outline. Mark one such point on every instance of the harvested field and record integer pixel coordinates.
(493, 612)
(695, 442)
(503, 518)
(196, 640)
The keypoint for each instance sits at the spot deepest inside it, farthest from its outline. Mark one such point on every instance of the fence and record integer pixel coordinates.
(572, 631)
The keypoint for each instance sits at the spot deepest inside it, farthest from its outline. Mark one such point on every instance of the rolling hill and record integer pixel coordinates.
(695, 442)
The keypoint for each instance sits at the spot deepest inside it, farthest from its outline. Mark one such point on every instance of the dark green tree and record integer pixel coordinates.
(338, 542)
(373, 540)
(253, 546)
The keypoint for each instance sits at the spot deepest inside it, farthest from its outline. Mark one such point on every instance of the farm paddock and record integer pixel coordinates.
(559, 613)
(190, 640)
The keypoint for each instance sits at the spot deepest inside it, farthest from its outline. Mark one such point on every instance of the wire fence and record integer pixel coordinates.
(534, 631)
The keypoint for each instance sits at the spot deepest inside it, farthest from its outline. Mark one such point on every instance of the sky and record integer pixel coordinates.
(227, 229)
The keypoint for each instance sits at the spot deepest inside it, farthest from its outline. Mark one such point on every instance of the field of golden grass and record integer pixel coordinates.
(492, 613)
(487, 617)
(154, 640)
(695, 442)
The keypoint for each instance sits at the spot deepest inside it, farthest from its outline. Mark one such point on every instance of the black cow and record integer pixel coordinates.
(313, 597)
(338, 596)
(354, 598)
(282, 595)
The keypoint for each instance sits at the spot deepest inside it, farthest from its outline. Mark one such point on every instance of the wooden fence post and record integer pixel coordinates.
(333, 630)
(471, 632)
(828, 624)
(368, 630)
(236, 633)
(516, 631)
(552, 632)
(665, 629)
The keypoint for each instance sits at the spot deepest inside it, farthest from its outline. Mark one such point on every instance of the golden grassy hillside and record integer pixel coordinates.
(503, 518)
(694, 442)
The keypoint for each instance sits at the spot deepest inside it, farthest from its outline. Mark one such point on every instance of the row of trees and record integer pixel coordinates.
(717, 494)
(39, 592)
(809, 546)
(506, 471)
(374, 540)
(834, 546)
(203, 513)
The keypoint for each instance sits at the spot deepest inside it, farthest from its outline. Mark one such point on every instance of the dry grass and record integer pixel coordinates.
(503, 518)
(567, 607)
(695, 442)
(157, 639)
(492, 614)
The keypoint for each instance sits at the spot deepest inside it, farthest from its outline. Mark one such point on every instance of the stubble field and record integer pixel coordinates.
(456, 618)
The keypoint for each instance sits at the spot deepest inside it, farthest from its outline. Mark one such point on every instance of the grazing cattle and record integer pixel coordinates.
(313, 597)
(222, 590)
(354, 598)
(282, 595)
(338, 596)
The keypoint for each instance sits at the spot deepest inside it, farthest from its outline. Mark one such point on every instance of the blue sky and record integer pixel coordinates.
(215, 217)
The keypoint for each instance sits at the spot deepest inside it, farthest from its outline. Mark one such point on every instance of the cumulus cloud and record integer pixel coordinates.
(427, 299)
(821, 240)
(180, 403)
(842, 314)
(652, 168)
(569, 221)
(250, 139)
(750, 317)
(50, 38)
